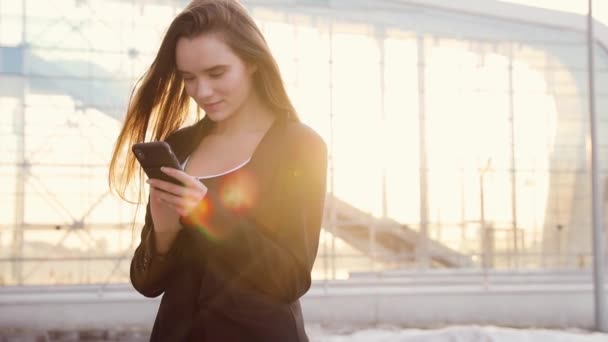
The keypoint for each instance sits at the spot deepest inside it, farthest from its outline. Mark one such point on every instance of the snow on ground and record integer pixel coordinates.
(452, 334)
(318, 333)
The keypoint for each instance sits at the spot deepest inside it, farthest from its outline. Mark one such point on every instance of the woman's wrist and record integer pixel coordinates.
(163, 240)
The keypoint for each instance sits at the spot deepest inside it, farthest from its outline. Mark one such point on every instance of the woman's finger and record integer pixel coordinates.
(171, 199)
(181, 176)
(162, 185)
(172, 206)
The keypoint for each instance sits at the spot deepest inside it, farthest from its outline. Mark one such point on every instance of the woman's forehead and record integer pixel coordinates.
(202, 52)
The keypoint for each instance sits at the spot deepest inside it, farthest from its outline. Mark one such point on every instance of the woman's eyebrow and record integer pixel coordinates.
(210, 69)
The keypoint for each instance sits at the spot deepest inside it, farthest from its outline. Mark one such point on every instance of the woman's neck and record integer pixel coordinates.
(252, 116)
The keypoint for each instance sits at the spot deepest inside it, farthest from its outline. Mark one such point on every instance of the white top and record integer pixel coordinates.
(219, 174)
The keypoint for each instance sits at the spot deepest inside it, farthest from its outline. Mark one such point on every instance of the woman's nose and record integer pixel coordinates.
(204, 89)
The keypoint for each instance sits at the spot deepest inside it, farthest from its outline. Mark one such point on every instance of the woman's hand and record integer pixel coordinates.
(165, 219)
(181, 198)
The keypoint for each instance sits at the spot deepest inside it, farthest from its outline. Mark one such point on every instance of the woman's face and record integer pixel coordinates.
(214, 76)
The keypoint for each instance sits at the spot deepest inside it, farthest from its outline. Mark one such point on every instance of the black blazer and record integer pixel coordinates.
(246, 284)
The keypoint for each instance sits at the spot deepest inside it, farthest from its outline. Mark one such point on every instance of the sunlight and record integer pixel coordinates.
(466, 125)
(395, 107)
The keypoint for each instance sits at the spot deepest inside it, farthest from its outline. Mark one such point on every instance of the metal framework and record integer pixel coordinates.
(484, 241)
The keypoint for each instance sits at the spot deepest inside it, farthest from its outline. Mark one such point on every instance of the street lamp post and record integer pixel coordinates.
(486, 257)
(598, 237)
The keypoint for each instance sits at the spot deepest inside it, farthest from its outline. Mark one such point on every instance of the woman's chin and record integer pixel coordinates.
(216, 116)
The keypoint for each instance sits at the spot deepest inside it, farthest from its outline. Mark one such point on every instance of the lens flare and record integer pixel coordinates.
(237, 194)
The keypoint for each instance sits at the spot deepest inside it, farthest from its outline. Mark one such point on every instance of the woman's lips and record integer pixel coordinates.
(212, 107)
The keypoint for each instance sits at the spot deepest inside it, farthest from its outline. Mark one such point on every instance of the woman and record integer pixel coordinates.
(232, 249)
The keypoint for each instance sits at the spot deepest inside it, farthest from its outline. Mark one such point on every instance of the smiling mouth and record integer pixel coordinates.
(211, 106)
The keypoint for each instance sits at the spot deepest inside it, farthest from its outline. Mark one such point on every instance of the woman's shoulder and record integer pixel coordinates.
(300, 134)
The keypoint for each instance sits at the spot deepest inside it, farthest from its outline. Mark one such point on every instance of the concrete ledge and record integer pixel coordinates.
(550, 307)
(553, 304)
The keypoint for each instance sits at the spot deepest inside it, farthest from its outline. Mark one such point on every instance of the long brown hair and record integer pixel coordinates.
(160, 105)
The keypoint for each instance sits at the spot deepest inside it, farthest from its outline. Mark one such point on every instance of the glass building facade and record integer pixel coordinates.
(456, 140)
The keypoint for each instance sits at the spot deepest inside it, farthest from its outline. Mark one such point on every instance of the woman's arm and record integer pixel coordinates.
(275, 256)
(149, 268)
(162, 238)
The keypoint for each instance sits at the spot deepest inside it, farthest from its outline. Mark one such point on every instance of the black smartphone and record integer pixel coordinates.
(153, 155)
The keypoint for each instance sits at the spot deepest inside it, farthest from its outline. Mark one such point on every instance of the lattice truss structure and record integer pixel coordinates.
(456, 139)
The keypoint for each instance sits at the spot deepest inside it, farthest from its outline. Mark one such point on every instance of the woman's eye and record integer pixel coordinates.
(216, 74)
(188, 79)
